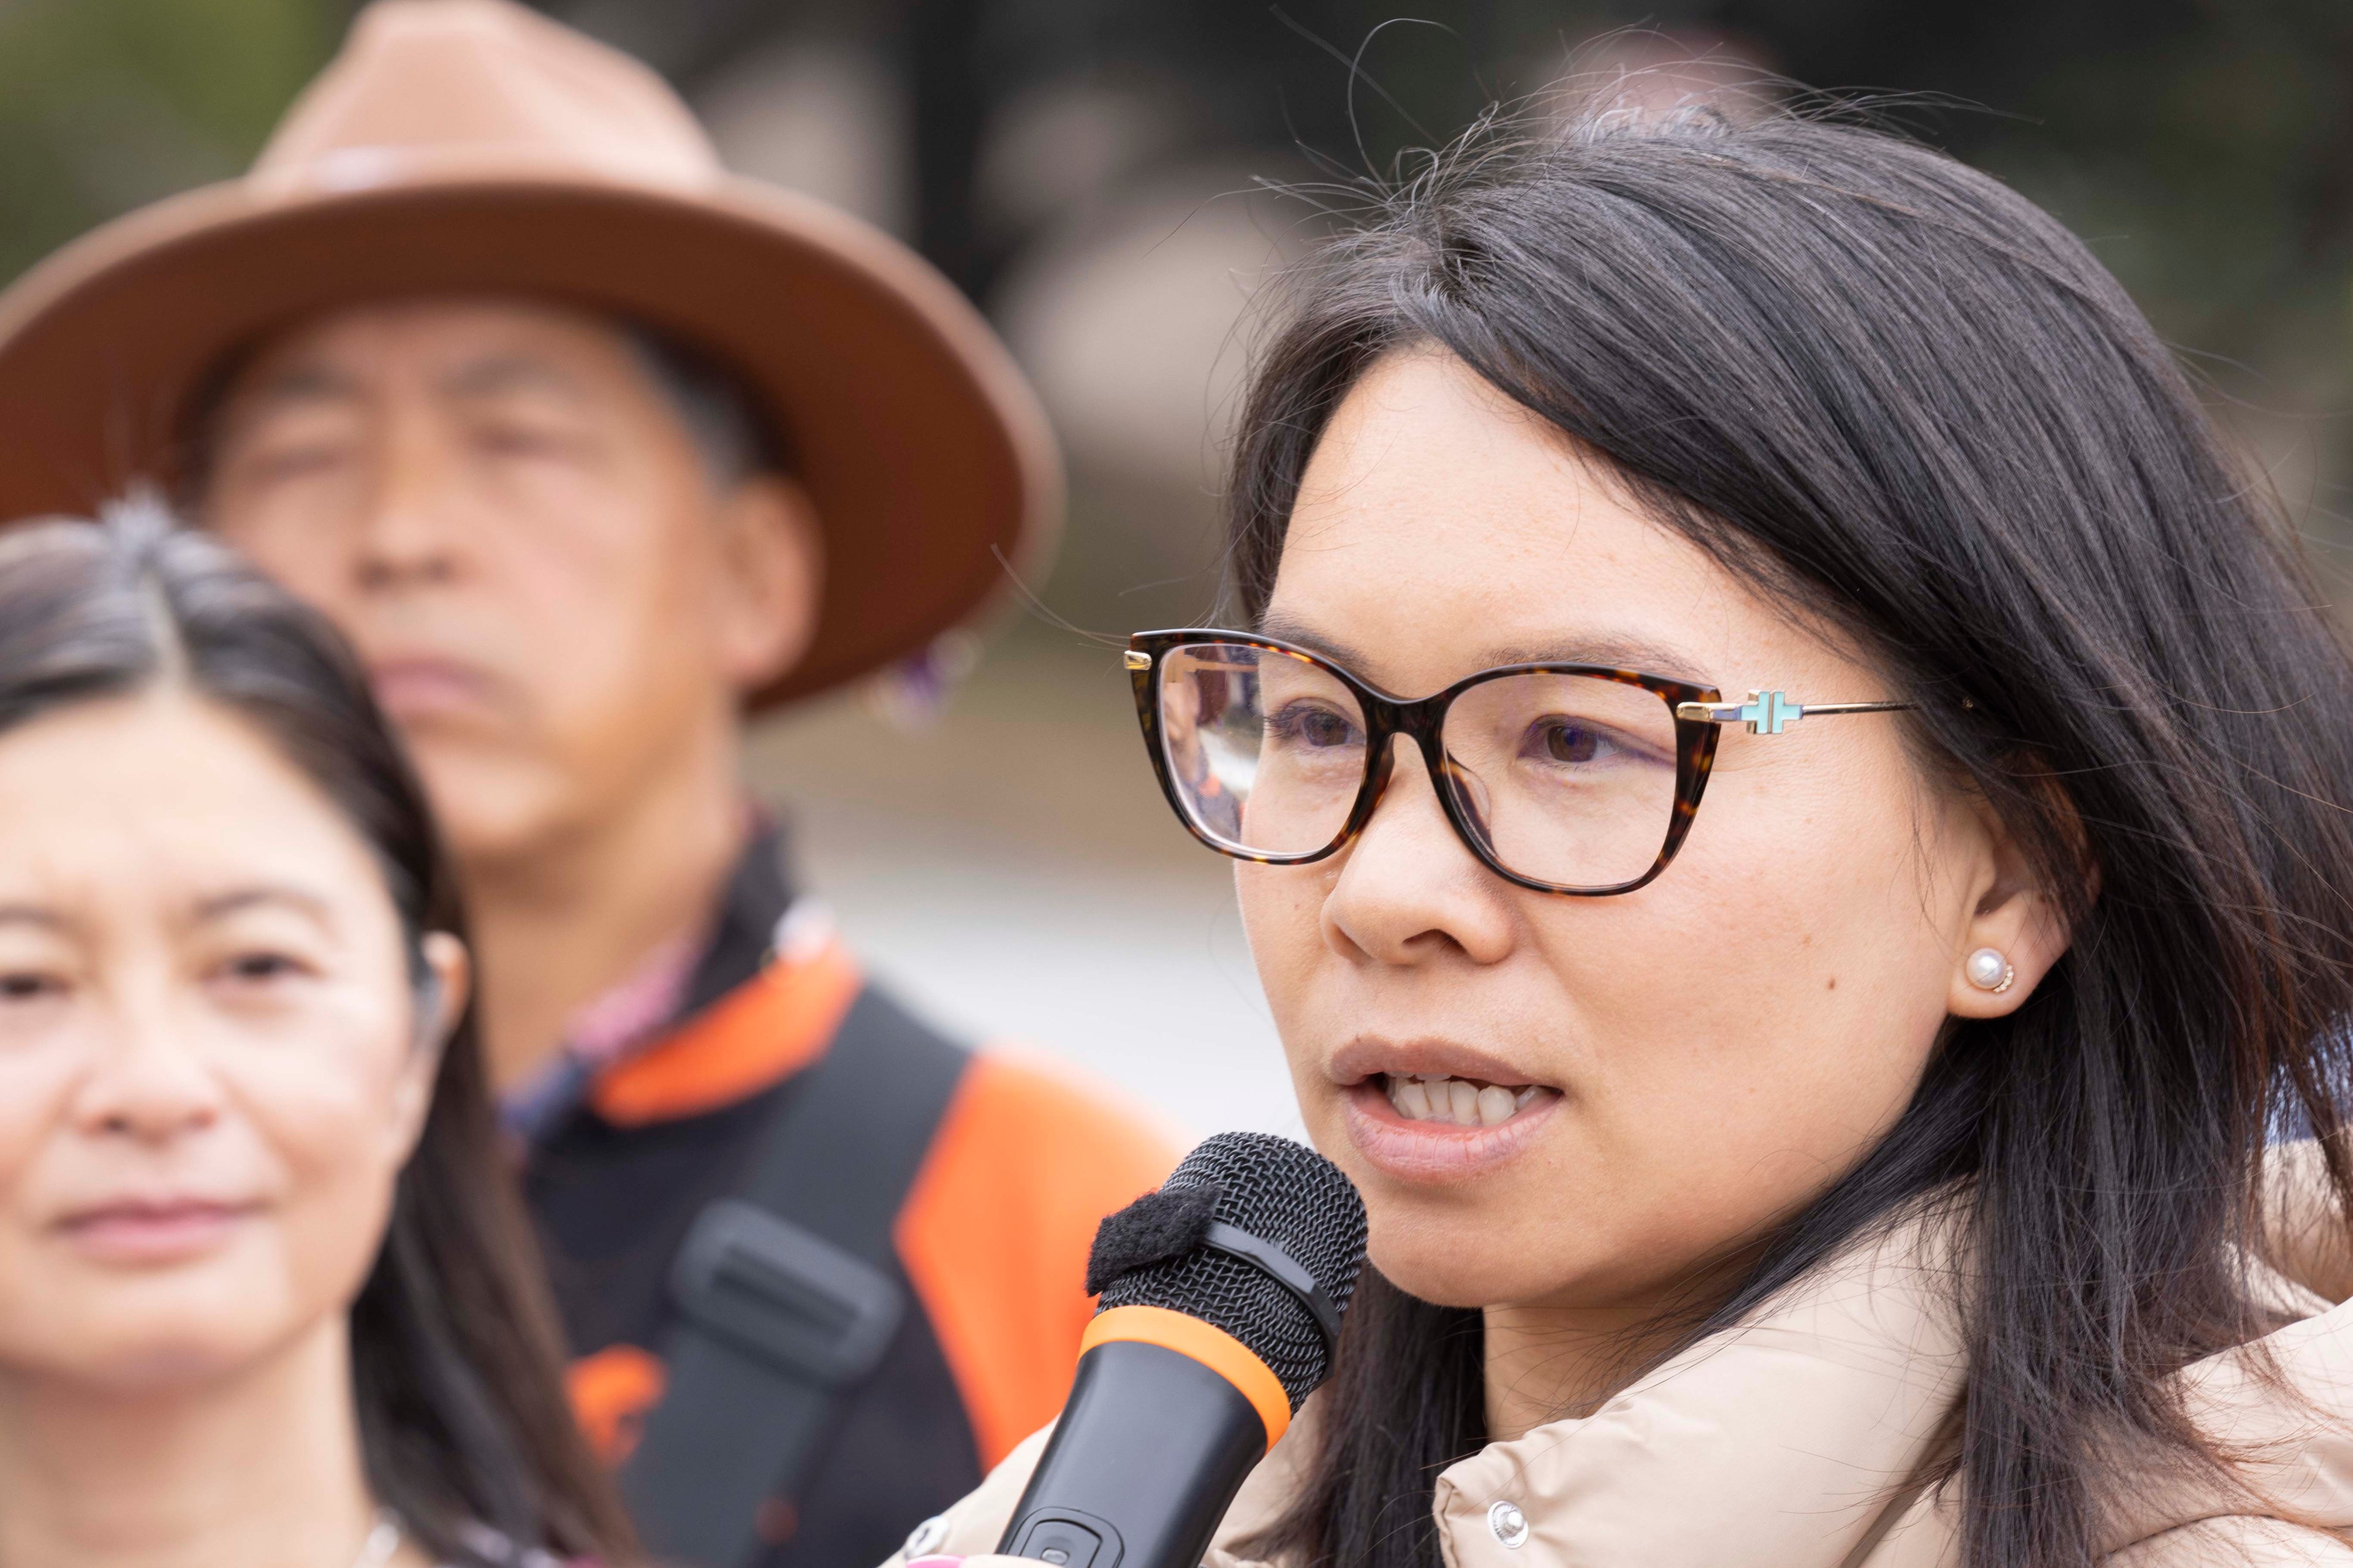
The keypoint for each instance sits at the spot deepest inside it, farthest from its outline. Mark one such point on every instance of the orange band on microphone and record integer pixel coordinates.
(1204, 1342)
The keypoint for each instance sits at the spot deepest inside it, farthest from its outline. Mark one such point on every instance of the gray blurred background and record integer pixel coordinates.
(1091, 173)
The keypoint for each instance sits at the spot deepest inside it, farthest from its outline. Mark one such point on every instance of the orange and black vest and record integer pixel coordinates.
(978, 1227)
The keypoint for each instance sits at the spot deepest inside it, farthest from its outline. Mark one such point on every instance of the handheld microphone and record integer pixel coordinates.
(1221, 1296)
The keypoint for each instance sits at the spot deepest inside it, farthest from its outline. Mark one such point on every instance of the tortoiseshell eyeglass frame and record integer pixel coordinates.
(1699, 712)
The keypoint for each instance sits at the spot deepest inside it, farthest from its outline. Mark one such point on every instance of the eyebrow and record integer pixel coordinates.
(1612, 650)
(296, 385)
(491, 376)
(279, 895)
(219, 906)
(495, 375)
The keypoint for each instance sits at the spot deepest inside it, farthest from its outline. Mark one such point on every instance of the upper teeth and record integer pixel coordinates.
(1435, 1097)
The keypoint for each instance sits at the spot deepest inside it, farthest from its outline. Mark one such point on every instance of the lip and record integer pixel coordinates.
(420, 687)
(153, 1230)
(1433, 1152)
(1368, 1055)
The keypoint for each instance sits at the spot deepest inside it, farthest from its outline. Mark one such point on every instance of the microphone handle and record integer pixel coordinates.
(1152, 1447)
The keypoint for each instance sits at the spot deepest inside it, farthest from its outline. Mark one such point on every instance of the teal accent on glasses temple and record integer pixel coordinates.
(1770, 713)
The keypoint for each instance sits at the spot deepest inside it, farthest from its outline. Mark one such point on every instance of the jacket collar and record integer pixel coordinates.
(1799, 1440)
(745, 928)
(757, 998)
(1785, 1441)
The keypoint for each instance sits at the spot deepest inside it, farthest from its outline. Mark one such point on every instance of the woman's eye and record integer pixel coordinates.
(1569, 740)
(260, 968)
(28, 986)
(1316, 727)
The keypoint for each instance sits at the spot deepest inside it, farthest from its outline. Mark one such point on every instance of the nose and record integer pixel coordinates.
(1409, 888)
(148, 1084)
(411, 532)
(404, 547)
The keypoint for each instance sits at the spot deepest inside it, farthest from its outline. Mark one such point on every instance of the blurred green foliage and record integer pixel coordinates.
(106, 104)
(2204, 147)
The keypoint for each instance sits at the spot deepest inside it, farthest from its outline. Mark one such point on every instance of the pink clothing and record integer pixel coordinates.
(626, 1017)
(614, 1027)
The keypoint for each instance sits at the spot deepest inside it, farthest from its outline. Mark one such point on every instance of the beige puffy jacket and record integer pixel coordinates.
(1791, 1443)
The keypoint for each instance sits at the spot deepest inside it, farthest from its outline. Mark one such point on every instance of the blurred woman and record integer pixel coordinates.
(265, 1294)
(1867, 1163)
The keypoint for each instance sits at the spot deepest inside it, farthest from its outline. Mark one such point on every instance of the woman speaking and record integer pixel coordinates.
(1791, 803)
(264, 1293)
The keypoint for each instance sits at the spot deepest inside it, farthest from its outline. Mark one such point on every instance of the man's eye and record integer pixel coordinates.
(283, 463)
(525, 441)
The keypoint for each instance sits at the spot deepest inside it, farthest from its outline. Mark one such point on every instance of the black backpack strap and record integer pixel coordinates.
(789, 1293)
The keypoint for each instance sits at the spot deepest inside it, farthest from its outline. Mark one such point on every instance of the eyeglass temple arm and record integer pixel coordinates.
(1770, 713)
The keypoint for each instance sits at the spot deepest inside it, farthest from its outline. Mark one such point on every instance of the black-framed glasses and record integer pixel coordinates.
(1568, 778)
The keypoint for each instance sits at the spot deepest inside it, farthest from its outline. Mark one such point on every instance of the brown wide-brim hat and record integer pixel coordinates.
(474, 147)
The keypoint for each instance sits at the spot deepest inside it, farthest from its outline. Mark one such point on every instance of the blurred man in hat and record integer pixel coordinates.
(591, 447)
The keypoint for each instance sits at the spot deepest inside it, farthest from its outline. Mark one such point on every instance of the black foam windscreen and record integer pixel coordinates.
(1281, 1192)
(1155, 1228)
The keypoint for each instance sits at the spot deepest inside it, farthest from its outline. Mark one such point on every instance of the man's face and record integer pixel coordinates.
(505, 513)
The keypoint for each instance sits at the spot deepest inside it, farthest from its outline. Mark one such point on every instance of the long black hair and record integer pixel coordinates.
(454, 1355)
(1900, 395)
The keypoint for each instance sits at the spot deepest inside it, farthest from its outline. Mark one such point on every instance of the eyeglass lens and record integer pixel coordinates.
(1568, 779)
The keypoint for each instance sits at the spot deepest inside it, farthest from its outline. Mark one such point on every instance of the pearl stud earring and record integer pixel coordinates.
(1989, 971)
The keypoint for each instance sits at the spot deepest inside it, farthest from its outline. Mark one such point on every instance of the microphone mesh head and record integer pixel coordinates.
(1281, 1192)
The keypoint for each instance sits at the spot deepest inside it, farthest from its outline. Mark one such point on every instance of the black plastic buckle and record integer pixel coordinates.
(776, 1292)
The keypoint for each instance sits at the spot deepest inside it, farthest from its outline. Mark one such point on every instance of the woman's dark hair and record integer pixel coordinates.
(455, 1355)
(1888, 390)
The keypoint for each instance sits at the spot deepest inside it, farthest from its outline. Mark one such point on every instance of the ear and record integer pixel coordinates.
(2014, 915)
(772, 579)
(440, 1003)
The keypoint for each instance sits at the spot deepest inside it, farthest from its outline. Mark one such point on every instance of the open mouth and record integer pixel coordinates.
(1460, 1101)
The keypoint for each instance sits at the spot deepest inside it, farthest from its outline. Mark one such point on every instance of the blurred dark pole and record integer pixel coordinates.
(939, 45)
(933, 45)
(1253, 78)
